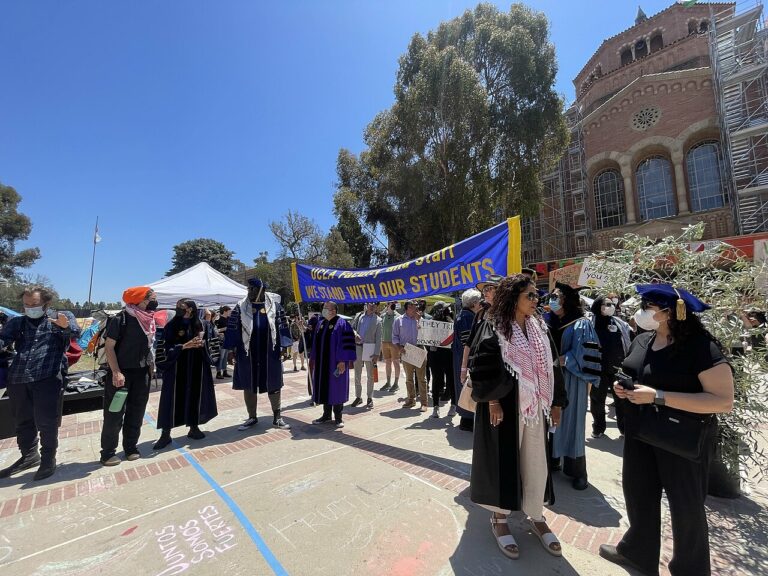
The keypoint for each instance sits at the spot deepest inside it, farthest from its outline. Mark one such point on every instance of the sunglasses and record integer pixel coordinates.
(532, 296)
(646, 304)
(488, 288)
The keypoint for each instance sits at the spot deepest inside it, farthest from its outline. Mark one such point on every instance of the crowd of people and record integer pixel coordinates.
(534, 363)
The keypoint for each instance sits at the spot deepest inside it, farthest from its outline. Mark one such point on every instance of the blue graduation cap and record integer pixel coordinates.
(256, 283)
(667, 296)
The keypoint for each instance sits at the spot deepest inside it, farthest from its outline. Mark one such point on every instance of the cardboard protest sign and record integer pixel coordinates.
(435, 333)
(594, 272)
(567, 275)
(414, 355)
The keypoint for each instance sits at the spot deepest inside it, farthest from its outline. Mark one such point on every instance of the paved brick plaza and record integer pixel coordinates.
(386, 495)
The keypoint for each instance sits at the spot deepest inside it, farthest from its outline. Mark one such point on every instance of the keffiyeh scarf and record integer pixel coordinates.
(529, 359)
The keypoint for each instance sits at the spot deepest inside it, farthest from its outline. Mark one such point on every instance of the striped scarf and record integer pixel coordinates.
(530, 361)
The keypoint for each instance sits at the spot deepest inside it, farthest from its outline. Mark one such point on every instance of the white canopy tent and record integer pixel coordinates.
(206, 286)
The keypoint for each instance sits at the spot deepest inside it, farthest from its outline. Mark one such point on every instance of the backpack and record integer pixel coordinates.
(490, 378)
(100, 339)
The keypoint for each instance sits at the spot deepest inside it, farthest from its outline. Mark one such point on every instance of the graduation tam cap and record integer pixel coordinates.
(256, 283)
(667, 296)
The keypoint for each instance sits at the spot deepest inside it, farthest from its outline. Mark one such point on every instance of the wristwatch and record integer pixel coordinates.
(659, 400)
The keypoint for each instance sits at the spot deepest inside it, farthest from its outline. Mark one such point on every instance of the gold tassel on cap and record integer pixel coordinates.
(680, 310)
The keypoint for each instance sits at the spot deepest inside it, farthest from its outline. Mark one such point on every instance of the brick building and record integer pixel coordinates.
(668, 128)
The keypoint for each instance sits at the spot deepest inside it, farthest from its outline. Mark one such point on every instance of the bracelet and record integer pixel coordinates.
(463, 370)
(496, 403)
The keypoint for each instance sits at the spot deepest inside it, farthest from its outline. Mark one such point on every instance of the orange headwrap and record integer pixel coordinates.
(136, 294)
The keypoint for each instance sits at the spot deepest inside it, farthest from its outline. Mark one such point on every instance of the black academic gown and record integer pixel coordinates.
(495, 478)
(187, 397)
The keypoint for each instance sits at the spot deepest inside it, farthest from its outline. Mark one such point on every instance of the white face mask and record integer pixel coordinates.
(34, 312)
(644, 319)
(608, 309)
(326, 313)
(615, 301)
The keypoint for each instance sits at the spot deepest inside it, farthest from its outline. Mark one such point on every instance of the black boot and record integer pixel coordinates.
(47, 467)
(278, 422)
(195, 433)
(163, 441)
(27, 461)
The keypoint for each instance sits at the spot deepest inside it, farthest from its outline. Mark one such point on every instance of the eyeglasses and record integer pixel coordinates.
(488, 288)
(532, 296)
(554, 297)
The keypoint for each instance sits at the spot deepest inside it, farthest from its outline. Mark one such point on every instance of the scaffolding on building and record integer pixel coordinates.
(562, 228)
(740, 71)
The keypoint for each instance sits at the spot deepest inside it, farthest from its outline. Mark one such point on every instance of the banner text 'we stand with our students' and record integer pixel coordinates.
(454, 268)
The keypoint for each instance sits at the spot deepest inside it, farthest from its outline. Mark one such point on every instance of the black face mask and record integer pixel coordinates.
(180, 312)
(151, 306)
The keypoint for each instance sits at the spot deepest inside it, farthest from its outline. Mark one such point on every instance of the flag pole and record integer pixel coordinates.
(93, 258)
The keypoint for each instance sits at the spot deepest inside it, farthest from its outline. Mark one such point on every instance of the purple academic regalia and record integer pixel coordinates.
(333, 342)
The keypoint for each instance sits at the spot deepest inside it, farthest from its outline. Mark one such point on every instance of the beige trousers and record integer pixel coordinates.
(420, 375)
(533, 466)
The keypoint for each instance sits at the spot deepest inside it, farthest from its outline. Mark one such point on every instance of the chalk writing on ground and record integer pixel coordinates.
(195, 541)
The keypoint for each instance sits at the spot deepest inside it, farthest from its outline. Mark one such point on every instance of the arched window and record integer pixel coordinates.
(626, 56)
(705, 176)
(657, 43)
(609, 199)
(655, 192)
(641, 49)
(692, 27)
(703, 27)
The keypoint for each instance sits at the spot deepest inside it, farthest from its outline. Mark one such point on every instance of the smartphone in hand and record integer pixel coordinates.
(625, 381)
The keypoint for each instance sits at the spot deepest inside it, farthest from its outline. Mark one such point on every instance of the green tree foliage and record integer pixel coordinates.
(730, 285)
(348, 207)
(199, 250)
(14, 226)
(475, 124)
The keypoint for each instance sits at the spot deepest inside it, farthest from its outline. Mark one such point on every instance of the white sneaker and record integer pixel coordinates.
(452, 411)
(436, 412)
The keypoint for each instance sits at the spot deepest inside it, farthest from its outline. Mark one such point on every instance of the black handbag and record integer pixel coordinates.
(490, 378)
(681, 433)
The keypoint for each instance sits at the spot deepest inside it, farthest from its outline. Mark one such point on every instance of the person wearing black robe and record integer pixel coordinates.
(497, 472)
(187, 397)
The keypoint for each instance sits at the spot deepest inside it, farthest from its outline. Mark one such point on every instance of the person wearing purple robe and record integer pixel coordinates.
(333, 347)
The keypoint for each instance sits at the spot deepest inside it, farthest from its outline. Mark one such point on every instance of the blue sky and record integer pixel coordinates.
(174, 120)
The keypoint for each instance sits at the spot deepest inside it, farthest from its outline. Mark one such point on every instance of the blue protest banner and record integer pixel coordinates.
(456, 267)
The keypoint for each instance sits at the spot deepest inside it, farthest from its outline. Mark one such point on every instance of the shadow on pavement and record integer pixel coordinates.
(738, 534)
(588, 506)
(478, 555)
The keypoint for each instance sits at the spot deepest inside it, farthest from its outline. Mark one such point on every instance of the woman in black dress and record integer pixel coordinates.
(679, 370)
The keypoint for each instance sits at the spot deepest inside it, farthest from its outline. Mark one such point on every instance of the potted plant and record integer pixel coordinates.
(729, 283)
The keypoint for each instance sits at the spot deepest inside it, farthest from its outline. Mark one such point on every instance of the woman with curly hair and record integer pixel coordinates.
(513, 382)
(679, 373)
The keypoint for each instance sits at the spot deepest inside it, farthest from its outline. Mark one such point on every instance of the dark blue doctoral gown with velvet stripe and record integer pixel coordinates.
(261, 369)
(187, 397)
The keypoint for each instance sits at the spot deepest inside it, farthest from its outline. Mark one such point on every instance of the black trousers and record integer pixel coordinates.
(337, 408)
(597, 396)
(129, 419)
(646, 472)
(441, 367)
(36, 407)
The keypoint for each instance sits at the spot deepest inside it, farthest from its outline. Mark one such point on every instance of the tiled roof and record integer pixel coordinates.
(644, 22)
